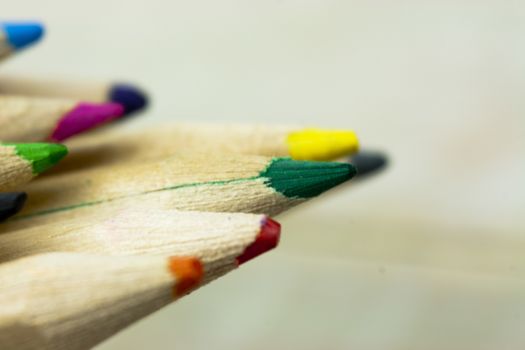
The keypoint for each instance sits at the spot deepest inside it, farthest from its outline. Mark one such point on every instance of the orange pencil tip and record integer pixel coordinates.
(188, 272)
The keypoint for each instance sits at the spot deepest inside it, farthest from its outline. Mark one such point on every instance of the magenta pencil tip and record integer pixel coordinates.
(85, 116)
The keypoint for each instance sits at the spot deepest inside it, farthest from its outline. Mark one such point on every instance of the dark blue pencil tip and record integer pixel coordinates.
(132, 98)
(22, 34)
(368, 162)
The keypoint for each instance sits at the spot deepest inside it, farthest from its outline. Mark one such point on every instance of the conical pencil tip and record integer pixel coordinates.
(85, 116)
(368, 163)
(266, 240)
(188, 272)
(130, 97)
(319, 144)
(41, 156)
(22, 34)
(302, 179)
(11, 203)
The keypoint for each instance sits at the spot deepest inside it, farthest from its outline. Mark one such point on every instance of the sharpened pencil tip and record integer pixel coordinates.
(22, 34)
(188, 272)
(41, 156)
(266, 240)
(319, 144)
(302, 179)
(85, 116)
(11, 203)
(368, 162)
(130, 97)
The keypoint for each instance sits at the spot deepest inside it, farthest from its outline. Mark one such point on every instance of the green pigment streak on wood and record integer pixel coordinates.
(291, 178)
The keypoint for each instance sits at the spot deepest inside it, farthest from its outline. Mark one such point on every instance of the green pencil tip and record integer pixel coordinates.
(305, 179)
(42, 156)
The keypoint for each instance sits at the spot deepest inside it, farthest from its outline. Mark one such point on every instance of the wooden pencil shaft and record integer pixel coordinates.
(65, 301)
(189, 182)
(142, 228)
(30, 119)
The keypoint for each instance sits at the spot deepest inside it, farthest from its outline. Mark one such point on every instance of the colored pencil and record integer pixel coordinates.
(15, 36)
(140, 228)
(131, 97)
(29, 119)
(112, 146)
(368, 163)
(219, 183)
(75, 300)
(11, 203)
(20, 162)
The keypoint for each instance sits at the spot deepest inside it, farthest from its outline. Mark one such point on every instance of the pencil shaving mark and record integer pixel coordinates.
(188, 272)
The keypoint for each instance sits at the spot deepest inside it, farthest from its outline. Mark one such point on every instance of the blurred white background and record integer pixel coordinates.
(428, 255)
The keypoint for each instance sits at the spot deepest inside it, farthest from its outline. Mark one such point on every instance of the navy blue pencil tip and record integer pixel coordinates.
(130, 97)
(22, 34)
(368, 162)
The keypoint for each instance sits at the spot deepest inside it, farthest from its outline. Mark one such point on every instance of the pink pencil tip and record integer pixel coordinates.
(85, 116)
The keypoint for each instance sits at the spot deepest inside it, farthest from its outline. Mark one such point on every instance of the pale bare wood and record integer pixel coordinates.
(30, 118)
(221, 183)
(20, 84)
(114, 146)
(74, 301)
(143, 228)
(14, 170)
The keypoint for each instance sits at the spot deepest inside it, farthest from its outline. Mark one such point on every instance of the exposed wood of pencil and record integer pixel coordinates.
(193, 182)
(141, 228)
(30, 118)
(51, 87)
(74, 301)
(114, 146)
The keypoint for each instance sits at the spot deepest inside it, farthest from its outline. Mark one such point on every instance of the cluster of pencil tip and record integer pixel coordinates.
(147, 216)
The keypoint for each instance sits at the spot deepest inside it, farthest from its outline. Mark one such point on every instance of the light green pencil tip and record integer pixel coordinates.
(42, 156)
(305, 179)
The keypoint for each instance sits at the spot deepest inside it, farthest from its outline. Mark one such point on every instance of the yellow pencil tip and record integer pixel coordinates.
(319, 144)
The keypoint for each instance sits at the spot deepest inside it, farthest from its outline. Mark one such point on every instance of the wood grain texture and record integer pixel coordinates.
(14, 170)
(74, 301)
(113, 146)
(142, 228)
(186, 182)
(29, 118)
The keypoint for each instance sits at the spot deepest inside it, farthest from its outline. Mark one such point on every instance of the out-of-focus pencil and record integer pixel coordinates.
(142, 228)
(15, 36)
(11, 203)
(220, 183)
(131, 97)
(28, 119)
(368, 163)
(20, 162)
(112, 146)
(74, 300)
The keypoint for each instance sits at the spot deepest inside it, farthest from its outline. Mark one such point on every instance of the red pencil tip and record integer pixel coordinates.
(188, 273)
(267, 239)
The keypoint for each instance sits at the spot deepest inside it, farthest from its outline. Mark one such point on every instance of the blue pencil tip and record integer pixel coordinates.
(22, 34)
(131, 97)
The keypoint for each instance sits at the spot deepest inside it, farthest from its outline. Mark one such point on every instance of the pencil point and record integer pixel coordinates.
(319, 144)
(85, 116)
(11, 203)
(188, 273)
(22, 34)
(302, 179)
(368, 162)
(266, 240)
(41, 156)
(130, 97)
